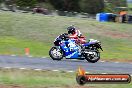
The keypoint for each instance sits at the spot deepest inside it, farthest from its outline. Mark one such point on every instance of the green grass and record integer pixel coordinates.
(35, 79)
(47, 79)
(37, 32)
(12, 45)
(130, 5)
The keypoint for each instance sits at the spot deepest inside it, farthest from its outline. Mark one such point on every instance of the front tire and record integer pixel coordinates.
(56, 53)
(93, 58)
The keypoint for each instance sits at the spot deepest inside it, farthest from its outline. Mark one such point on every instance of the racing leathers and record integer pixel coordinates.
(77, 35)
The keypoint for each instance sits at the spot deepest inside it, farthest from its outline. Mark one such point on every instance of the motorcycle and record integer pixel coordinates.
(68, 48)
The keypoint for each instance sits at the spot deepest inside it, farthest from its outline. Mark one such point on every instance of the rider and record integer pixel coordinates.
(76, 34)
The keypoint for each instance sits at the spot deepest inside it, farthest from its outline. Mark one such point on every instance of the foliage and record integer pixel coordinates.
(26, 2)
(65, 5)
(110, 5)
(1, 1)
(91, 6)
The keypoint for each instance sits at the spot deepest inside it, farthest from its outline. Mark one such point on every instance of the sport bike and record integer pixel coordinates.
(68, 48)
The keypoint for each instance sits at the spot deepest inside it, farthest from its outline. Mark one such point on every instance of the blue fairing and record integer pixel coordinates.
(87, 44)
(70, 49)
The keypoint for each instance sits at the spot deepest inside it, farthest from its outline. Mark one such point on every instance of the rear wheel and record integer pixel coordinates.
(56, 53)
(92, 57)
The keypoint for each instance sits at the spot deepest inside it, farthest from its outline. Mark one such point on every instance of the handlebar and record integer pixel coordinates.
(63, 36)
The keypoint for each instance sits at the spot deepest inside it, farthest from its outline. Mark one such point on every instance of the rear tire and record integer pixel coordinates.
(91, 58)
(56, 53)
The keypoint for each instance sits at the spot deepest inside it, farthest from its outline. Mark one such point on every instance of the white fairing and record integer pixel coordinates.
(56, 38)
(93, 40)
(71, 44)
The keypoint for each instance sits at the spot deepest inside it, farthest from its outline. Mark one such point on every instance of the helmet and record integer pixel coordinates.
(71, 29)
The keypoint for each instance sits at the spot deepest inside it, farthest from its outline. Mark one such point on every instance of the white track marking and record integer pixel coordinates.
(7, 67)
(70, 71)
(22, 68)
(43, 57)
(37, 69)
(55, 70)
(102, 61)
(30, 56)
(13, 55)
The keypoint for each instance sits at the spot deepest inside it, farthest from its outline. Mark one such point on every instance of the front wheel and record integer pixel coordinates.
(92, 57)
(56, 53)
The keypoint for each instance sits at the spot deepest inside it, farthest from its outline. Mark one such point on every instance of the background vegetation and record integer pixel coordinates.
(89, 6)
(26, 2)
(110, 5)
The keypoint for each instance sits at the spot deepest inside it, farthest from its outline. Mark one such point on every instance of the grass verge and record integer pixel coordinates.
(47, 79)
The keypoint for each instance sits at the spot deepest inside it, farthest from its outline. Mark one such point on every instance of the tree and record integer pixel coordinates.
(65, 5)
(1, 1)
(41, 0)
(92, 6)
(9, 2)
(24, 3)
(118, 3)
(111, 5)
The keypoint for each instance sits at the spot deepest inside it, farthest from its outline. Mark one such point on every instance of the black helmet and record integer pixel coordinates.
(71, 29)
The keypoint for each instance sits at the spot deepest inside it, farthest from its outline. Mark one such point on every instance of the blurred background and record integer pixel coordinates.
(76, 6)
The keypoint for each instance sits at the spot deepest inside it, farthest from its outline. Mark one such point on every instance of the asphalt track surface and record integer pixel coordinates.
(63, 65)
